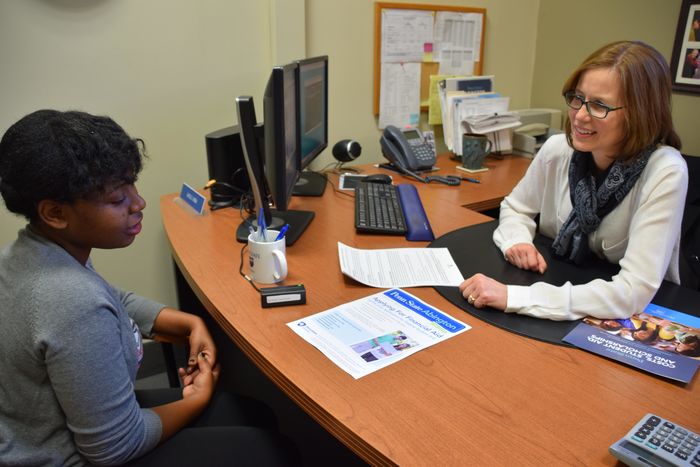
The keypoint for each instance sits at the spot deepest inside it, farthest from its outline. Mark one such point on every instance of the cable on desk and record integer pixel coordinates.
(224, 194)
(245, 276)
(246, 205)
(335, 188)
(338, 168)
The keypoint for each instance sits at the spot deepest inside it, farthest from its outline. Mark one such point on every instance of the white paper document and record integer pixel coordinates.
(455, 62)
(400, 267)
(371, 333)
(457, 41)
(399, 98)
(482, 124)
(404, 34)
(465, 108)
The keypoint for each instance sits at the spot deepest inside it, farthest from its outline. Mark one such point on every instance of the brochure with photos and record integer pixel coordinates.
(659, 340)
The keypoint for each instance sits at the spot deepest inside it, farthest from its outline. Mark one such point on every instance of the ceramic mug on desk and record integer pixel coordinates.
(475, 148)
(267, 260)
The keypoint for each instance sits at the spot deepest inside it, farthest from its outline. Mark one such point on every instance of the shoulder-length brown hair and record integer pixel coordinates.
(645, 82)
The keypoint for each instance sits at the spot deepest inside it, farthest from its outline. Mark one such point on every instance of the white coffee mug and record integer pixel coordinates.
(268, 264)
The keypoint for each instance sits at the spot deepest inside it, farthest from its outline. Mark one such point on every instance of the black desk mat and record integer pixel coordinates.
(474, 251)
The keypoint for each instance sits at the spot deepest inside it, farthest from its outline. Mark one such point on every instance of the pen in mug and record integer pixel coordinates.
(257, 228)
(283, 231)
(262, 236)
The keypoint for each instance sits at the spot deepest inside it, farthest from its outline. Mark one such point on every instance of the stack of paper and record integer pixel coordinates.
(469, 106)
(496, 126)
(489, 123)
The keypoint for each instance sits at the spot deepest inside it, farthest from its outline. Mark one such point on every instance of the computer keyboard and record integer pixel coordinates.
(378, 209)
(390, 209)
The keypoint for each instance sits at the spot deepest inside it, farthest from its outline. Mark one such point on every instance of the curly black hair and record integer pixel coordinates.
(64, 156)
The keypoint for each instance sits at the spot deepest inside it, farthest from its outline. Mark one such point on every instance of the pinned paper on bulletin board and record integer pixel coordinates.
(442, 40)
(400, 101)
(405, 34)
(459, 37)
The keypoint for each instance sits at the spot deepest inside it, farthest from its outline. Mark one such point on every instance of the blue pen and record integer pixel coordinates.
(283, 231)
(473, 180)
(261, 224)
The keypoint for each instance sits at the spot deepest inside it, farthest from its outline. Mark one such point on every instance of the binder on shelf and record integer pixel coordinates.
(469, 84)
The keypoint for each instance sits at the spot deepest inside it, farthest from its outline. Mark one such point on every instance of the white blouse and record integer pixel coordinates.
(642, 235)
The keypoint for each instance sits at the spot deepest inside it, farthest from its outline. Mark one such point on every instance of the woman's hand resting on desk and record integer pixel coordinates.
(481, 291)
(525, 256)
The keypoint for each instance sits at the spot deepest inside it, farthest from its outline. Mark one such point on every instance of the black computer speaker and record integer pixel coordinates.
(346, 150)
(227, 166)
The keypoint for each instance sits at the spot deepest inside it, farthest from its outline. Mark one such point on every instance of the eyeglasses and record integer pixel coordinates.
(595, 109)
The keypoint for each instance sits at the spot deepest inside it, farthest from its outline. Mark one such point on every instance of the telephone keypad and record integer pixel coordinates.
(424, 153)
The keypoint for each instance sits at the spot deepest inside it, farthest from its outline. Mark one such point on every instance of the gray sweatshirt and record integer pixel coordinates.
(69, 351)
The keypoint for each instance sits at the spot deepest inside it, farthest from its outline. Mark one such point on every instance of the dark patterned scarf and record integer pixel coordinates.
(591, 203)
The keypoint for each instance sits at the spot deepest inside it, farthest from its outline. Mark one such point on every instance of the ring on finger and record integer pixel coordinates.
(471, 299)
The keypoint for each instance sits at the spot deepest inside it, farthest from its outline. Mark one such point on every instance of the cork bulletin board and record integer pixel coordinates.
(428, 67)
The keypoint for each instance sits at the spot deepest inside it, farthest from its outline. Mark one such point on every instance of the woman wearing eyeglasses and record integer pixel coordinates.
(613, 186)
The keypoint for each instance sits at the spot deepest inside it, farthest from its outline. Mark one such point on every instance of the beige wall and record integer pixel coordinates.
(169, 71)
(564, 40)
(344, 30)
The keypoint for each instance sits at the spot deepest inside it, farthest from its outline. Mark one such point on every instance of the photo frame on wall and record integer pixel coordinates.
(685, 62)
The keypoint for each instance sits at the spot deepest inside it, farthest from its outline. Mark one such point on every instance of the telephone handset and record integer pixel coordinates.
(407, 149)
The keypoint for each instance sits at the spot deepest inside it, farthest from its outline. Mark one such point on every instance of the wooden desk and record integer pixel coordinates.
(485, 397)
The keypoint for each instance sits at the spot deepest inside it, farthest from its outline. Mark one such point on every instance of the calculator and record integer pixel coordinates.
(660, 442)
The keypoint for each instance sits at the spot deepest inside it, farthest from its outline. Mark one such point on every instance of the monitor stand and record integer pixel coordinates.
(298, 222)
(310, 184)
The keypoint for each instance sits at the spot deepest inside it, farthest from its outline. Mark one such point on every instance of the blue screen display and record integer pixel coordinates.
(312, 109)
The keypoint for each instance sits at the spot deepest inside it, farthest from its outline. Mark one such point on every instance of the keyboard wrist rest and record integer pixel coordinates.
(417, 225)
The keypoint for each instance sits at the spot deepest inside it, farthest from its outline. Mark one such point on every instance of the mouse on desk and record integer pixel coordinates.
(378, 178)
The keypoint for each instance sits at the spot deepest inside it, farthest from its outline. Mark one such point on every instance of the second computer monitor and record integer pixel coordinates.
(282, 152)
(313, 107)
(312, 95)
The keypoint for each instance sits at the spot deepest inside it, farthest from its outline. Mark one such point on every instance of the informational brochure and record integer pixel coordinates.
(659, 340)
(400, 267)
(371, 333)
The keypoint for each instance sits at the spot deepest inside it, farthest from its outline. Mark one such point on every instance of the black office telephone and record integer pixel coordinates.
(407, 149)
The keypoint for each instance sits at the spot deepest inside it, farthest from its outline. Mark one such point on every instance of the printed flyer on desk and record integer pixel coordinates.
(371, 333)
(659, 340)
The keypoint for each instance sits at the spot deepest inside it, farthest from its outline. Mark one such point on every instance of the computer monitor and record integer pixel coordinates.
(282, 152)
(271, 153)
(250, 131)
(312, 78)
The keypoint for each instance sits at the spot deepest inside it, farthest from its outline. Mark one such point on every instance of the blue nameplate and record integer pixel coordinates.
(193, 199)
